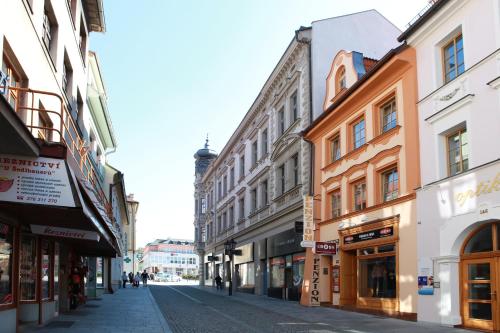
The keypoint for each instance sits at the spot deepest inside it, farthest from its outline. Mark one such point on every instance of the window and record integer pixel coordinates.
(377, 275)
(6, 263)
(389, 115)
(295, 169)
(231, 216)
(28, 269)
(45, 124)
(241, 208)
(46, 270)
(336, 204)
(293, 107)
(254, 153)
(231, 178)
(224, 220)
(219, 189)
(281, 121)
(264, 142)
(335, 148)
(242, 166)
(99, 272)
(49, 30)
(458, 154)
(253, 198)
(219, 224)
(67, 76)
(359, 190)
(358, 131)
(264, 194)
(82, 41)
(453, 59)
(14, 81)
(390, 184)
(341, 80)
(281, 178)
(224, 184)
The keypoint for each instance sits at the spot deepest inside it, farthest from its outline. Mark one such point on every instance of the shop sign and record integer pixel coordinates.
(284, 243)
(40, 180)
(369, 235)
(325, 248)
(308, 236)
(64, 232)
(314, 297)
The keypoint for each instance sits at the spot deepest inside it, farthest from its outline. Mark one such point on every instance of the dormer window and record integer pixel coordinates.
(341, 79)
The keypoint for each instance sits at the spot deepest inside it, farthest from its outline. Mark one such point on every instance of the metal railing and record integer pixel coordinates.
(430, 3)
(40, 121)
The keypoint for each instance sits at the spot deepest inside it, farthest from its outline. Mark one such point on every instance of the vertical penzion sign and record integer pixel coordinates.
(308, 238)
(315, 301)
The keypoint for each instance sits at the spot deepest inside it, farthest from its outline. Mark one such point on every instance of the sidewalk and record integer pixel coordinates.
(127, 310)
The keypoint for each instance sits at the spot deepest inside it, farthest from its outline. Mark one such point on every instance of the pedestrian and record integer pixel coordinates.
(144, 277)
(124, 279)
(131, 278)
(137, 279)
(218, 282)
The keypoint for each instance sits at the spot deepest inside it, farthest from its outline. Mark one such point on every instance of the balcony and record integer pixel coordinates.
(51, 122)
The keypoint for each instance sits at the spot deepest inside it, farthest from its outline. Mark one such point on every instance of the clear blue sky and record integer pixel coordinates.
(177, 70)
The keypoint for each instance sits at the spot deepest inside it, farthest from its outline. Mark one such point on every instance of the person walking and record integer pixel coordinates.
(131, 278)
(124, 279)
(137, 279)
(144, 277)
(218, 282)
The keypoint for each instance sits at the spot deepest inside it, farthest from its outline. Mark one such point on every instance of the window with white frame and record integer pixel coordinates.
(458, 152)
(388, 113)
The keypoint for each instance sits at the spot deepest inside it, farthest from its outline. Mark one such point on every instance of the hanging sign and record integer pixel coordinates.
(369, 235)
(325, 248)
(308, 236)
(314, 296)
(64, 232)
(39, 180)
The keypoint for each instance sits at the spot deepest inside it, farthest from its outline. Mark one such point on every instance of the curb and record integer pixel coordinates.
(159, 314)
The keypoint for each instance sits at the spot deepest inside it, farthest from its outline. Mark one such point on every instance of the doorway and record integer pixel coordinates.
(480, 261)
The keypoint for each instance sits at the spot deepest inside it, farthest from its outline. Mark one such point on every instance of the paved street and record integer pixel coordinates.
(201, 309)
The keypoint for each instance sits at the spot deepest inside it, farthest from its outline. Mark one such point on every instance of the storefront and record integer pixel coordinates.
(244, 269)
(369, 266)
(286, 265)
(459, 250)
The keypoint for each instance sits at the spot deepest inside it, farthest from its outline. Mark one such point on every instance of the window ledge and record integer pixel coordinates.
(356, 152)
(384, 135)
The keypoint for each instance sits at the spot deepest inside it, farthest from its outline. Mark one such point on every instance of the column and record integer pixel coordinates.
(448, 272)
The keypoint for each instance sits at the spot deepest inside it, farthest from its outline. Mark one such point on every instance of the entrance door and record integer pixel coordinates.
(480, 293)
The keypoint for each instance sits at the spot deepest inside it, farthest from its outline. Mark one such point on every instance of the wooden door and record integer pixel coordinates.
(348, 282)
(479, 293)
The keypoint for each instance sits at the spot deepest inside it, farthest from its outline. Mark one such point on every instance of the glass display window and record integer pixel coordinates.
(277, 272)
(377, 272)
(28, 269)
(46, 270)
(245, 274)
(298, 269)
(99, 272)
(6, 263)
(56, 269)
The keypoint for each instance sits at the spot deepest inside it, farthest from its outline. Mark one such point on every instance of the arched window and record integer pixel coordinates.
(481, 241)
(341, 80)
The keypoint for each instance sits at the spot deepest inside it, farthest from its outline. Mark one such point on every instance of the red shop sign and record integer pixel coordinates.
(325, 248)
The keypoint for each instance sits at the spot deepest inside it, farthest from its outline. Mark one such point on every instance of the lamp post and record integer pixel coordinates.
(229, 247)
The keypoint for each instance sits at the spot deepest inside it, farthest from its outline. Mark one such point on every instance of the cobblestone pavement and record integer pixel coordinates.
(126, 311)
(190, 309)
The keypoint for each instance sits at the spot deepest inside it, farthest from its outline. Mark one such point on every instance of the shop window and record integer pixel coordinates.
(46, 282)
(453, 58)
(388, 113)
(277, 273)
(390, 184)
(377, 277)
(245, 275)
(298, 264)
(458, 153)
(28, 269)
(6, 263)
(99, 272)
(482, 241)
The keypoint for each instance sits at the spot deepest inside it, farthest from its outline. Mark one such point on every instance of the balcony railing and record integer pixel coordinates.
(52, 122)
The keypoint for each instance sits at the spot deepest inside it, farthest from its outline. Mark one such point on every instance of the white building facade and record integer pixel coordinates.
(171, 256)
(458, 206)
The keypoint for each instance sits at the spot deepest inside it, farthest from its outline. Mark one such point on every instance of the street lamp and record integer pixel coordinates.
(229, 247)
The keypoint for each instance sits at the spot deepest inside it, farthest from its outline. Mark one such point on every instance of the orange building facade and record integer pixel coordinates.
(366, 167)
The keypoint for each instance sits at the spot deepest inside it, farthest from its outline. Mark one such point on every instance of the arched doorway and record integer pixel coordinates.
(480, 278)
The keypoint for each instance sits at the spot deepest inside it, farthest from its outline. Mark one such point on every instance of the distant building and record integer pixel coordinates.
(171, 256)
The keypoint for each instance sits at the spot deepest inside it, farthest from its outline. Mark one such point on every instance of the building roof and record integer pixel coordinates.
(425, 14)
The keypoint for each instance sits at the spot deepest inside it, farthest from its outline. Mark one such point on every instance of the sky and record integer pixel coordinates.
(176, 71)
